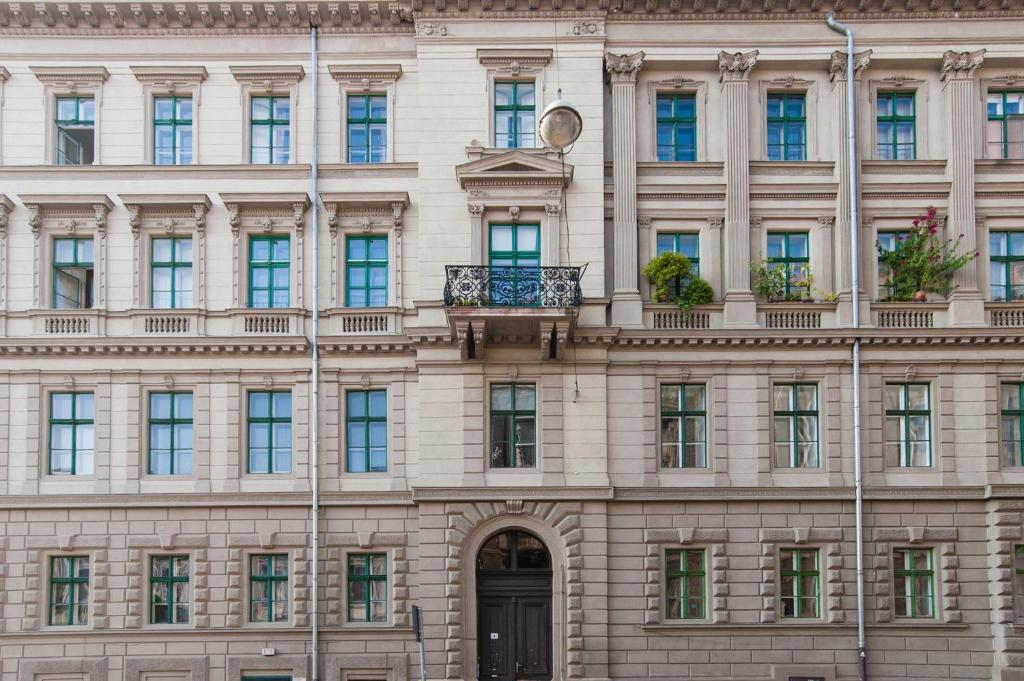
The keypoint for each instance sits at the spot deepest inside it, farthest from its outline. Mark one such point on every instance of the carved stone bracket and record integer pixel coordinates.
(733, 66)
(958, 65)
(623, 68)
(837, 66)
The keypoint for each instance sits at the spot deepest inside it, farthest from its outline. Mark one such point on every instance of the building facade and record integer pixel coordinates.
(573, 479)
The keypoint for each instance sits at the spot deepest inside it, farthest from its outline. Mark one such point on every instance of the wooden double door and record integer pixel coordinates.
(514, 636)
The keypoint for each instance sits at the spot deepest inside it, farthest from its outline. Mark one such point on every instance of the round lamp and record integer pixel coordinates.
(560, 125)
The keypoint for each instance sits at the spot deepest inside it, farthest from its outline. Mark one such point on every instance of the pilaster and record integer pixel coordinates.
(843, 274)
(627, 309)
(967, 307)
(734, 70)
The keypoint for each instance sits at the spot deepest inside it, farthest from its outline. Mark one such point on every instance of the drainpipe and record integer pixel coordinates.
(314, 413)
(851, 123)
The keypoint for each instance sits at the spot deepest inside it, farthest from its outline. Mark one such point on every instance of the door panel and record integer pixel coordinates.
(533, 638)
(494, 639)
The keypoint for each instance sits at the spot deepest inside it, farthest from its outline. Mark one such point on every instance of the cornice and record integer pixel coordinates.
(67, 200)
(365, 74)
(143, 346)
(514, 59)
(502, 493)
(407, 17)
(177, 75)
(258, 75)
(71, 174)
(79, 75)
(150, 499)
(57, 18)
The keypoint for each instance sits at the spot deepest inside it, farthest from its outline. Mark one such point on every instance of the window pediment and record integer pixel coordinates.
(513, 168)
(166, 212)
(366, 75)
(514, 62)
(268, 76)
(181, 76)
(71, 75)
(67, 212)
(266, 211)
(365, 209)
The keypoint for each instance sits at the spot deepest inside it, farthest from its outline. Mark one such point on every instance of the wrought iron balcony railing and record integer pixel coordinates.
(505, 286)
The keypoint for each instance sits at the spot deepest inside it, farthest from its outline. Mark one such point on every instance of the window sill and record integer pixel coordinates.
(815, 626)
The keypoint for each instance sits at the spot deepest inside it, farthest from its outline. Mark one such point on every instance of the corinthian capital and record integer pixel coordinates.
(837, 68)
(736, 65)
(623, 68)
(961, 64)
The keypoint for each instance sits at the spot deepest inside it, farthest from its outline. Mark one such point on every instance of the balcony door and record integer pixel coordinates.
(513, 253)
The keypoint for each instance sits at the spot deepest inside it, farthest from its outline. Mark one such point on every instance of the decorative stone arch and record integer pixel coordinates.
(557, 524)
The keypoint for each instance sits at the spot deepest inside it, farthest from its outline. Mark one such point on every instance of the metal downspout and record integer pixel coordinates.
(314, 418)
(851, 108)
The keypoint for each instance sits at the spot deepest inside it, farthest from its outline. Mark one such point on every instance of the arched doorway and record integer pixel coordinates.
(513, 588)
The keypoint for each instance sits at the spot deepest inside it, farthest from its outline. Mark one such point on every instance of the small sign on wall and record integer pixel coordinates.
(494, 636)
(807, 678)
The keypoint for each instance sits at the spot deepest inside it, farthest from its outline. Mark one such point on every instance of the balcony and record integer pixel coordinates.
(509, 305)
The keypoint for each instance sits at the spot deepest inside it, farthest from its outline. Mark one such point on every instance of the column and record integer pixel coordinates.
(627, 309)
(841, 252)
(734, 70)
(967, 305)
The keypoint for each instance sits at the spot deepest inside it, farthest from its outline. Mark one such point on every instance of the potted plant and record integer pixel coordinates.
(673, 279)
(770, 283)
(922, 262)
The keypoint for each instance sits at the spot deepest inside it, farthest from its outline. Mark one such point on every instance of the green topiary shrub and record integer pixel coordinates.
(674, 282)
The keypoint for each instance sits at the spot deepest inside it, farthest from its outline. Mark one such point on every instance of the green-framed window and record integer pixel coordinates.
(72, 433)
(1004, 127)
(685, 584)
(76, 130)
(514, 256)
(73, 273)
(908, 427)
(1018, 582)
(677, 127)
(270, 431)
(683, 426)
(1006, 265)
(170, 433)
(800, 583)
(169, 590)
(268, 588)
(171, 271)
(896, 126)
(172, 131)
(367, 120)
(791, 252)
(914, 582)
(269, 271)
(684, 243)
(1011, 423)
(887, 242)
(69, 590)
(367, 587)
(366, 431)
(270, 129)
(795, 421)
(513, 425)
(787, 127)
(515, 114)
(366, 271)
